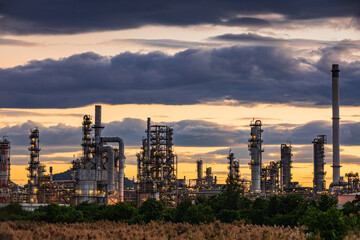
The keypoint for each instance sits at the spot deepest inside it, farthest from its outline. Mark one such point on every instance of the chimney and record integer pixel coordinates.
(336, 119)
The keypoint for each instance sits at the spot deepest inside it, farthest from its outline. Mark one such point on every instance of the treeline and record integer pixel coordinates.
(320, 217)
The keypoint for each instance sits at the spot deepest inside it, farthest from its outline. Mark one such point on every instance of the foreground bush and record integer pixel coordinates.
(151, 231)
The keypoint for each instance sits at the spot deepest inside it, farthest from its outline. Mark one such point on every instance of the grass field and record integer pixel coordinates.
(153, 230)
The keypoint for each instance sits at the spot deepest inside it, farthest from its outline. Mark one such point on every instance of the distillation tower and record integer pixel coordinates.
(285, 164)
(4, 169)
(255, 148)
(35, 169)
(319, 162)
(199, 170)
(95, 173)
(157, 165)
(234, 167)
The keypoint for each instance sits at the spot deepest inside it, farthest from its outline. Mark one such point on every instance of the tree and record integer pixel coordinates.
(325, 202)
(151, 209)
(181, 210)
(199, 213)
(330, 224)
(119, 212)
(228, 215)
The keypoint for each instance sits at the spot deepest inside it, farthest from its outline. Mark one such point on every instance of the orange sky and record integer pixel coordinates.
(228, 115)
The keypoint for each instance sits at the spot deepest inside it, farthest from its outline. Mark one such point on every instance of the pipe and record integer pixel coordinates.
(121, 162)
(343, 184)
(98, 127)
(148, 148)
(336, 119)
(110, 151)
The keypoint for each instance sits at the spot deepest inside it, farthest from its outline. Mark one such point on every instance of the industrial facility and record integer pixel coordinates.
(97, 176)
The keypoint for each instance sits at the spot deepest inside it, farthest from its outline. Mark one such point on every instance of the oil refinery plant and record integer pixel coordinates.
(97, 176)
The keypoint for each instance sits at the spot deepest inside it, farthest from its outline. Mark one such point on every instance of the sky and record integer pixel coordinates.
(206, 68)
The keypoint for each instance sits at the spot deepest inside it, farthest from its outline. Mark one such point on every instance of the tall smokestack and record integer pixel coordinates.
(336, 119)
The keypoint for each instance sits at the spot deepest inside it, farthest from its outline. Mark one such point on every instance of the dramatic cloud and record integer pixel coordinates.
(69, 16)
(252, 39)
(19, 113)
(247, 37)
(163, 43)
(244, 74)
(61, 135)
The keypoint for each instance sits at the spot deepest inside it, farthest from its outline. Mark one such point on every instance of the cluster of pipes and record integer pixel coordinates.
(234, 167)
(209, 181)
(94, 172)
(273, 177)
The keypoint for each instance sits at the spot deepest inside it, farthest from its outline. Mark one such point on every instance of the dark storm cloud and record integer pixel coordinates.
(255, 39)
(59, 135)
(203, 134)
(247, 37)
(248, 21)
(248, 75)
(69, 16)
(131, 130)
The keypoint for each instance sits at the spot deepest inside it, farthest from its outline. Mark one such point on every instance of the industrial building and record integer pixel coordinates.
(97, 176)
(99, 173)
(319, 162)
(4, 170)
(157, 165)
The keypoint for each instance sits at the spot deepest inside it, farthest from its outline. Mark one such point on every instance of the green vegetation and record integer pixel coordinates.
(318, 218)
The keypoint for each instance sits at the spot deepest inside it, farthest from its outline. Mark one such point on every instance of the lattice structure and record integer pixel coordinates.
(157, 165)
(270, 178)
(60, 192)
(353, 182)
(234, 167)
(34, 163)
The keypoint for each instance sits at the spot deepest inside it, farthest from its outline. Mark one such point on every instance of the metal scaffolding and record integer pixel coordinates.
(270, 178)
(157, 165)
(34, 168)
(234, 167)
